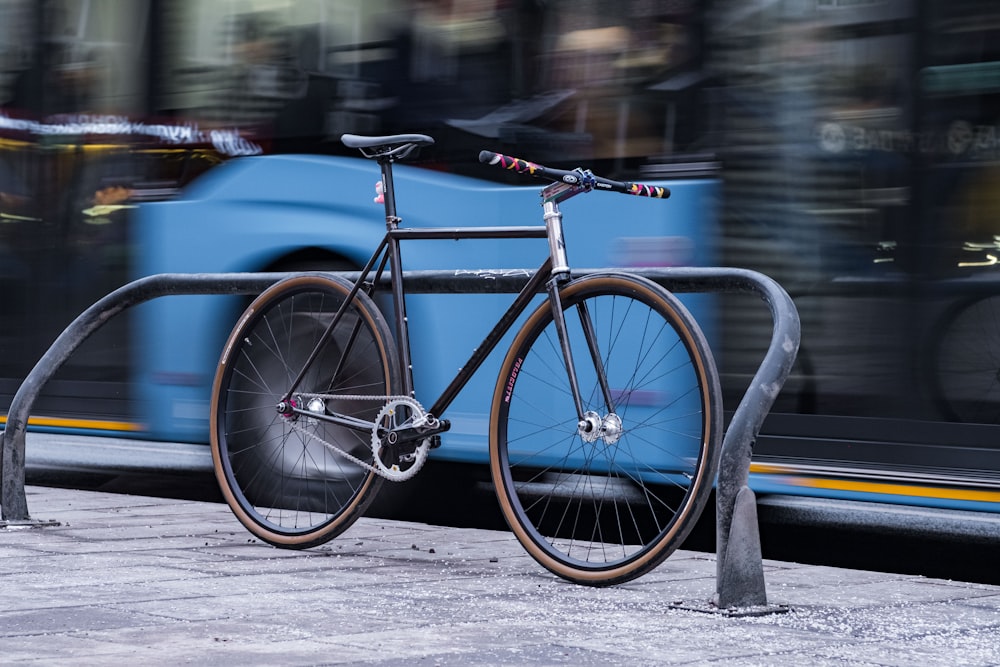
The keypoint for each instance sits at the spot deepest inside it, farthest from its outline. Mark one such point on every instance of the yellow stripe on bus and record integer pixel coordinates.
(905, 490)
(883, 488)
(93, 424)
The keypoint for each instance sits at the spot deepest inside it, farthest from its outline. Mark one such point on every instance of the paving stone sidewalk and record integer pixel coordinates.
(136, 580)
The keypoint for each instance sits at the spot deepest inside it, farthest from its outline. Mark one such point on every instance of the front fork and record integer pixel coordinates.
(590, 424)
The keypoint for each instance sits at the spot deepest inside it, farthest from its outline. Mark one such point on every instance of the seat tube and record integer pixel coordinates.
(396, 275)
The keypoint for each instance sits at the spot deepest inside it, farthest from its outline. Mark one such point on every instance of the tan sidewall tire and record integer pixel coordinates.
(363, 498)
(712, 415)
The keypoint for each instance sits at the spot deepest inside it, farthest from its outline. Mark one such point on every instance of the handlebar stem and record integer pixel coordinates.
(560, 192)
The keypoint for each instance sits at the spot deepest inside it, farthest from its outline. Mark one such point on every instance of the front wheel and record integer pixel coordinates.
(966, 361)
(605, 499)
(296, 480)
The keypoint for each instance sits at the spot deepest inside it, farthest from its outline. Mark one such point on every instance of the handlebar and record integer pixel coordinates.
(581, 177)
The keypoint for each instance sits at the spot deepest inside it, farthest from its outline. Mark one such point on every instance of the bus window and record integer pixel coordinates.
(76, 158)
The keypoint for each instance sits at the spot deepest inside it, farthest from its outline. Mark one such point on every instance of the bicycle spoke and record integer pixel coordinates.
(291, 478)
(610, 503)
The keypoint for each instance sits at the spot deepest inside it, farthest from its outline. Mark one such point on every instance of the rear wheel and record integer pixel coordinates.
(276, 471)
(966, 362)
(605, 501)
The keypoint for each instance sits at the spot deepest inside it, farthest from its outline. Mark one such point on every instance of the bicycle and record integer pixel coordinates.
(605, 422)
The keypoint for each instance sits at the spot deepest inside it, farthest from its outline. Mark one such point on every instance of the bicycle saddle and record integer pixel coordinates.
(394, 146)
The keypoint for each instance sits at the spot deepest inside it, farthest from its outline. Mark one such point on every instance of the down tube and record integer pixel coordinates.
(489, 343)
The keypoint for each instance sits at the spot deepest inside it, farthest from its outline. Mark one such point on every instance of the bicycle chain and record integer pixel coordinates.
(356, 397)
(329, 445)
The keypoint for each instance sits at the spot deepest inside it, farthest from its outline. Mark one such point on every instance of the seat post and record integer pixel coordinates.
(388, 193)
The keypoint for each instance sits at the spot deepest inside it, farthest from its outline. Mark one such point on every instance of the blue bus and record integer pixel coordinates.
(265, 212)
(846, 149)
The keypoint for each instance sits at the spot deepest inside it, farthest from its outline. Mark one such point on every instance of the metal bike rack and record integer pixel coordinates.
(739, 573)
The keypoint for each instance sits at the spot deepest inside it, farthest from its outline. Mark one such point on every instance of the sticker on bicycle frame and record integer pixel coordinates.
(512, 378)
(493, 274)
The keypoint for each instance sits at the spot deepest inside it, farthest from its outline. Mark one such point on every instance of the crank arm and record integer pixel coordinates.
(414, 434)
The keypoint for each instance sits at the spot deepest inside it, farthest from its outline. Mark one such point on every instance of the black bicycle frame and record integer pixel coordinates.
(553, 273)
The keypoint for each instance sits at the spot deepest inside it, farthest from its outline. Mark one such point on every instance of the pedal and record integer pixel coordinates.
(435, 441)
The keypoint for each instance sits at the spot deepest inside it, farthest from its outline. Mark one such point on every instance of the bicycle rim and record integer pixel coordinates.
(277, 475)
(610, 509)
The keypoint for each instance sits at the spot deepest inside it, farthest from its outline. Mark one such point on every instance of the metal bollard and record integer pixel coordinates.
(739, 575)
